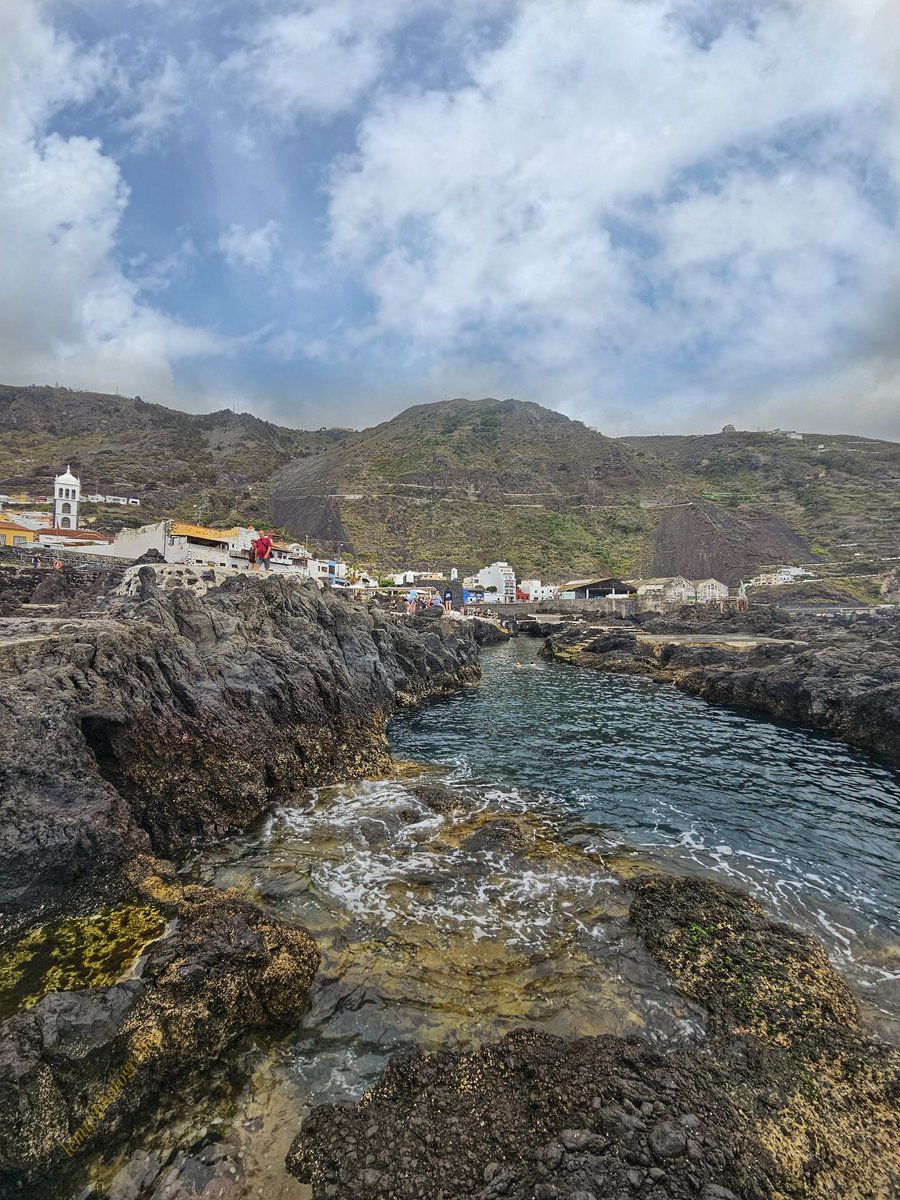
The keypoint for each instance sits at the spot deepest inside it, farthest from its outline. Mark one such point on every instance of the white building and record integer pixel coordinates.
(127, 545)
(780, 576)
(66, 498)
(100, 498)
(674, 588)
(498, 582)
(535, 590)
(709, 590)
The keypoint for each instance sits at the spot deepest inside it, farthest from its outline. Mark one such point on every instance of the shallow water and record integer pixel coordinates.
(807, 825)
(452, 927)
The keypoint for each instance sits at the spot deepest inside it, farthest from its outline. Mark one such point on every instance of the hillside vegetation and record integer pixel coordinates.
(461, 483)
(214, 467)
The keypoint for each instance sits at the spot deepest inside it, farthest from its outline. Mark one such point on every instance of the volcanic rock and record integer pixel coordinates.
(178, 717)
(838, 676)
(804, 1104)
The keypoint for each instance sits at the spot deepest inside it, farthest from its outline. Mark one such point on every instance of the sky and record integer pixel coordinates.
(652, 215)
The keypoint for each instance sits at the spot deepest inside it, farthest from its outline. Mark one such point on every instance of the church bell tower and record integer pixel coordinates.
(66, 498)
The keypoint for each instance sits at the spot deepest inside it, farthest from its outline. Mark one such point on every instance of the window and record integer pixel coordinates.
(67, 508)
(19, 541)
(66, 523)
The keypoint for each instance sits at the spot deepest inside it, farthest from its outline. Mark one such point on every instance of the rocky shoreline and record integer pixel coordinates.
(785, 1098)
(181, 708)
(841, 677)
(174, 716)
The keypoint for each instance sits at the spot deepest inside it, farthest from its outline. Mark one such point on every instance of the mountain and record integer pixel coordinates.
(213, 467)
(465, 482)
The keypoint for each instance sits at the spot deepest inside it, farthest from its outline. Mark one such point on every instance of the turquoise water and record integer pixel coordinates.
(806, 824)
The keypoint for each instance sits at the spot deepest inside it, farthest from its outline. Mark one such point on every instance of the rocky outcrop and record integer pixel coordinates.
(25, 591)
(787, 1098)
(839, 677)
(178, 716)
(182, 710)
(83, 1069)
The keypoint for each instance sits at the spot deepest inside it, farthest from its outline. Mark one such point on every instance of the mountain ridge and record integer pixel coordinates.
(462, 482)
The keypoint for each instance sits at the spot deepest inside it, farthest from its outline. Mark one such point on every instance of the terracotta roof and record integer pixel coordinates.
(186, 529)
(16, 528)
(76, 535)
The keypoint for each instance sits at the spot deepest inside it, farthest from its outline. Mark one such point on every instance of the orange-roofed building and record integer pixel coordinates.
(12, 534)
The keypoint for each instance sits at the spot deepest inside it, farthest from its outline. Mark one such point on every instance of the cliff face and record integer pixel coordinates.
(180, 716)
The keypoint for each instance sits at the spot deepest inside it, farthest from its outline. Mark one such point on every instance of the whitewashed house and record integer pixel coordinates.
(536, 591)
(498, 582)
(709, 590)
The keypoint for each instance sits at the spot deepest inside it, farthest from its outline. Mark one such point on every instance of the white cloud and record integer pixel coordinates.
(622, 196)
(319, 59)
(251, 248)
(160, 99)
(67, 310)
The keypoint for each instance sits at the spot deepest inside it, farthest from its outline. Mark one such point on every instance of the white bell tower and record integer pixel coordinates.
(66, 498)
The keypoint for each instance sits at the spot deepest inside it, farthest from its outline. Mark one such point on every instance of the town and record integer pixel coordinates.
(50, 531)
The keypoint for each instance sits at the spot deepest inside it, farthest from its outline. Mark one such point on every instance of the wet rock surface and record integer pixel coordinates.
(786, 1098)
(84, 1069)
(175, 717)
(841, 676)
(168, 716)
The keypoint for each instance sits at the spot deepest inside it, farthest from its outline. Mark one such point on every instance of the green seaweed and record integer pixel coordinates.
(74, 953)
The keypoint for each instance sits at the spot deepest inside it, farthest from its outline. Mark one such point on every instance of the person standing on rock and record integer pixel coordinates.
(448, 601)
(411, 599)
(263, 547)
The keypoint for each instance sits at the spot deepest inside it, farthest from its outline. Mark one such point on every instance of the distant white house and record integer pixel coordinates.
(708, 590)
(781, 576)
(498, 582)
(536, 591)
(100, 498)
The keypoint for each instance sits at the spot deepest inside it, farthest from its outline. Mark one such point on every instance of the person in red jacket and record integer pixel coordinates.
(263, 548)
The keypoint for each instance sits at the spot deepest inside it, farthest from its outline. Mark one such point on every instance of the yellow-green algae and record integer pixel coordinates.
(73, 953)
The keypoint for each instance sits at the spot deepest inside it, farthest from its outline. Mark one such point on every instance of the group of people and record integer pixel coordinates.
(416, 603)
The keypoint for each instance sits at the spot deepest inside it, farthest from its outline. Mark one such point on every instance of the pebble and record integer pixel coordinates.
(667, 1140)
(581, 1139)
